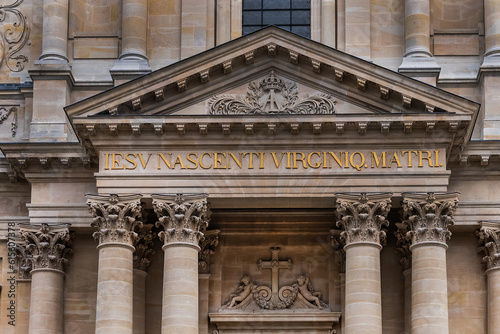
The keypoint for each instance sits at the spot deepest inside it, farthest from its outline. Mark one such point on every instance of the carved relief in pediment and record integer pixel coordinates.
(272, 95)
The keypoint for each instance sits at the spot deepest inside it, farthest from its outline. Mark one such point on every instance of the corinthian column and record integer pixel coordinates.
(48, 247)
(362, 217)
(115, 218)
(428, 217)
(184, 218)
(489, 237)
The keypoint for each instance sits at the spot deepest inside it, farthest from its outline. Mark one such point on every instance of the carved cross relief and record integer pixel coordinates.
(275, 265)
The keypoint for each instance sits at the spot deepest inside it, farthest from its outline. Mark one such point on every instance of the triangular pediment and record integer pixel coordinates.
(275, 78)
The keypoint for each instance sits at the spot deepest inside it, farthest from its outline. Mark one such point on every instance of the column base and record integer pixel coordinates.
(420, 67)
(129, 68)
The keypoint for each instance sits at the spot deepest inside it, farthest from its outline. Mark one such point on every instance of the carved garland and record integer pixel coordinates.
(16, 37)
(428, 216)
(363, 216)
(46, 247)
(5, 113)
(271, 96)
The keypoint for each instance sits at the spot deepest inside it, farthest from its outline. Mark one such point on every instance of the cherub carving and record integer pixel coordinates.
(307, 291)
(242, 292)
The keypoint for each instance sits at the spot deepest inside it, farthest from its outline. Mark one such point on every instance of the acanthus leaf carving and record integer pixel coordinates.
(338, 245)
(429, 215)
(272, 95)
(489, 240)
(115, 217)
(144, 244)
(207, 246)
(403, 243)
(47, 246)
(184, 217)
(362, 217)
(24, 261)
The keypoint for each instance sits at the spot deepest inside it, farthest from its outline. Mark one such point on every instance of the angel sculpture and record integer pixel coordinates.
(242, 292)
(307, 291)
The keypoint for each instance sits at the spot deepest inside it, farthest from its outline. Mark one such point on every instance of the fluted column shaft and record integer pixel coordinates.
(428, 217)
(184, 218)
(134, 29)
(417, 28)
(115, 218)
(489, 237)
(492, 27)
(46, 250)
(55, 30)
(362, 218)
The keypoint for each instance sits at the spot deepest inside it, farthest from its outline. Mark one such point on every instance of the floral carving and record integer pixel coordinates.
(207, 245)
(272, 95)
(15, 37)
(115, 217)
(338, 245)
(144, 244)
(46, 246)
(489, 239)
(362, 217)
(184, 217)
(429, 215)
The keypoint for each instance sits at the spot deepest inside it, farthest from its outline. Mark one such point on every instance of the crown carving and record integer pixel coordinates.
(184, 217)
(115, 217)
(429, 215)
(46, 246)
(362, 217)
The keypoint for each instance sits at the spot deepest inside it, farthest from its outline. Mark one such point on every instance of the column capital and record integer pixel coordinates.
(489, 240)
(24, 261)
(207, 245)
(115, 217)
(184, 217)
(144, 244)
(338, 245)
(47, 246)
(429, 215)
(403, 243)
(362, 217)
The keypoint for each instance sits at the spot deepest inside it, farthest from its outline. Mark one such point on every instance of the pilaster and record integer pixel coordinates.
(428, 217)
(184, 218)
(207, 246)
(115, 218)
(403, 244)
(47, 247)
(143, 244)
(362, 217)
(489, 239)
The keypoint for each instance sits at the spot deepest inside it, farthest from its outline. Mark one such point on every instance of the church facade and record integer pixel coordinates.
(181, 167)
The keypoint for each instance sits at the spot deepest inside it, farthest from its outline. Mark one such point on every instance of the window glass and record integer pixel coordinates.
(291, 15)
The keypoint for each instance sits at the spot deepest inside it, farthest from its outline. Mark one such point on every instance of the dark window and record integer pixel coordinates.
(291, 15)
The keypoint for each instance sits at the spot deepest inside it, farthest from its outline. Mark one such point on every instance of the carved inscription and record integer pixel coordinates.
(272, 160)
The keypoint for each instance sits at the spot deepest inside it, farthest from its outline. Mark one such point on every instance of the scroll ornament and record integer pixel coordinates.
(15, 37)
(272, 96)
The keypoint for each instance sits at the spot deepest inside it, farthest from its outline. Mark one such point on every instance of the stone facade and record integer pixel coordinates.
(162, 173)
